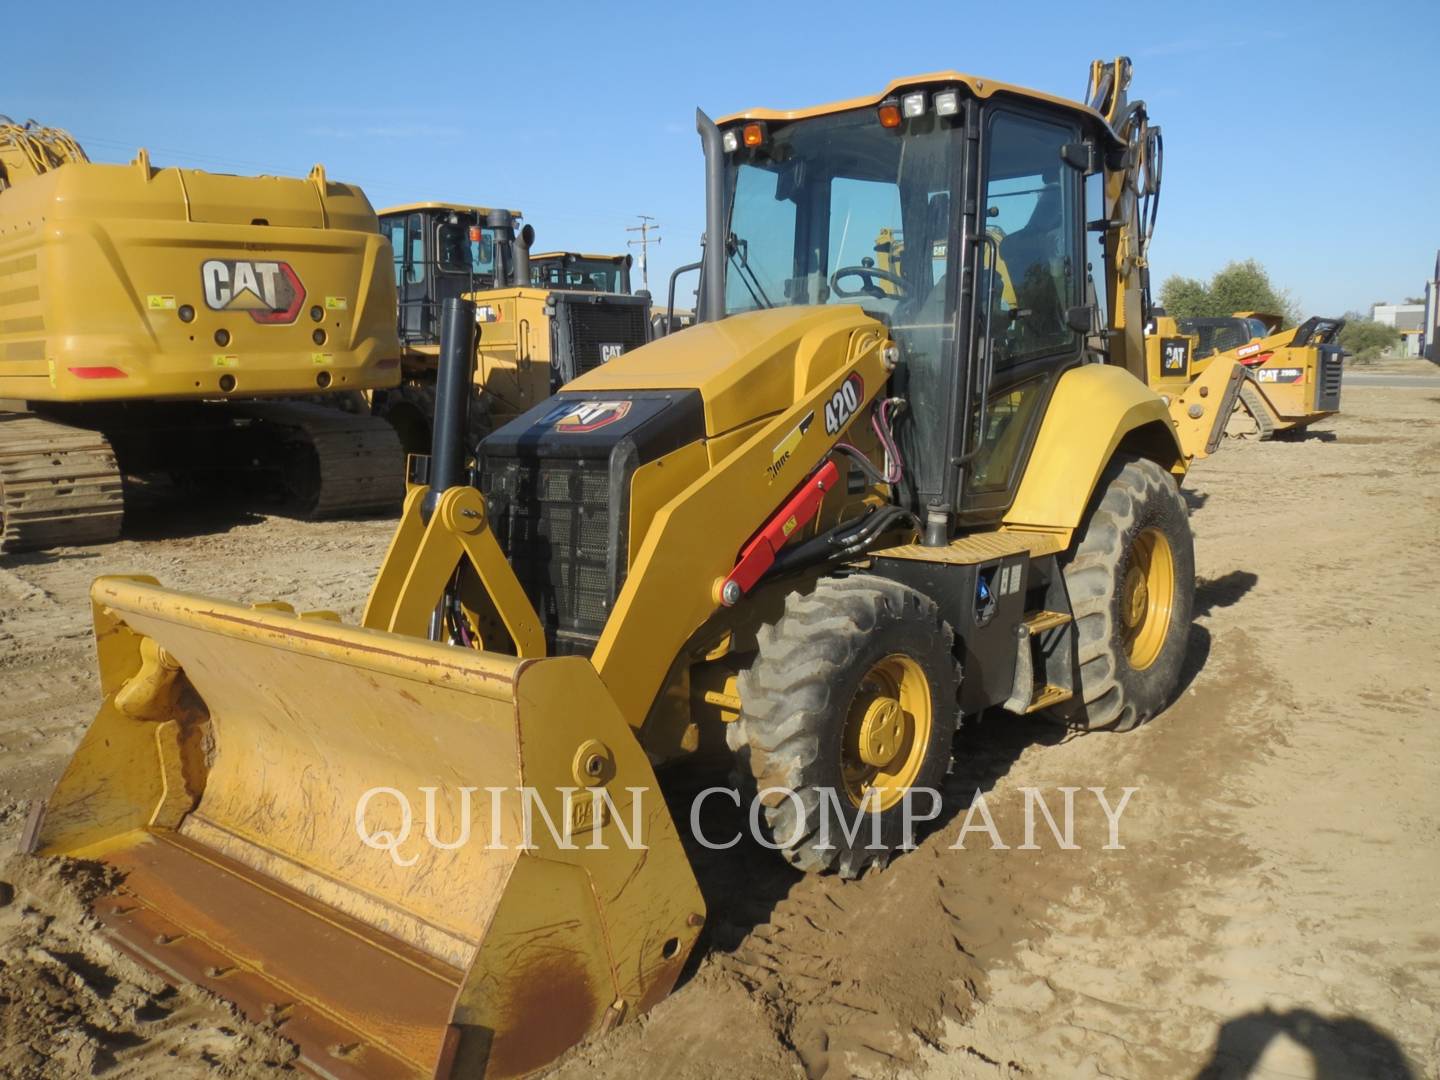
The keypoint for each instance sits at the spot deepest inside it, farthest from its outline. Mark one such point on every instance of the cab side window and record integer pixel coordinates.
(394, 229)
(415, 240)
(1031, 208)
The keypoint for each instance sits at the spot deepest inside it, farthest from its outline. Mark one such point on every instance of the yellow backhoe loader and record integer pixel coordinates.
(146, 312)
(813, 531)
(536, 334)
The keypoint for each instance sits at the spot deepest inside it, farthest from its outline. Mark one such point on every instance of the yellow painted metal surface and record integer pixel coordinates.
(464, 208)
(747, 366)
(980, 87)
(99, 262)
(255, 777)
(512, 349)
(1203, 407)
(1094, 409)
(692, 543)
(421, 562)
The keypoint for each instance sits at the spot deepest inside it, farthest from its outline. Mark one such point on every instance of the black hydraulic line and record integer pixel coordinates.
(844, 541)
(452, 394)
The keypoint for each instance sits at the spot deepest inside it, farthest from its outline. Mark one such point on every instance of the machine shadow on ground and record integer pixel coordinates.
(1340, 1047)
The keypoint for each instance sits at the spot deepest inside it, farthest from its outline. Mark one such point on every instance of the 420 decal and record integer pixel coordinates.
(844, 403)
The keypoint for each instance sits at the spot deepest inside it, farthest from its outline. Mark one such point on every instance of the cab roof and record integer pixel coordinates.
(578, 255)
(979, 87)
(464, 208)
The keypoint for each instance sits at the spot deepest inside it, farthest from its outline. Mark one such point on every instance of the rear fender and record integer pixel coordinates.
(1096, 411)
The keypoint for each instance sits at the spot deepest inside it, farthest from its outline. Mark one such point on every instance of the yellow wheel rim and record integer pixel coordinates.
(1147, 597)
(887, 729)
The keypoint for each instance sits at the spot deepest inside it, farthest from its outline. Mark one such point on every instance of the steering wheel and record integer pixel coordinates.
(867, 274)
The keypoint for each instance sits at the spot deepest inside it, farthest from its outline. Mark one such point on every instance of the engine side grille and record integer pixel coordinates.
(1329, 373)
(552, 518)
(595, 329)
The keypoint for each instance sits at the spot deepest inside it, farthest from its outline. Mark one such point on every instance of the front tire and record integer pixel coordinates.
(851, 703)
(1132, 589)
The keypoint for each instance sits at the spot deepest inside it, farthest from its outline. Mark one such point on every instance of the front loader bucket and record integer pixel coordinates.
(264, 781)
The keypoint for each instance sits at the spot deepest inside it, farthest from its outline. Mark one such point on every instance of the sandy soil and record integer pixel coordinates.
(1272, 912)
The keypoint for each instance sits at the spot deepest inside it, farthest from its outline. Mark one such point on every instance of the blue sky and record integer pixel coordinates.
(1302, 134)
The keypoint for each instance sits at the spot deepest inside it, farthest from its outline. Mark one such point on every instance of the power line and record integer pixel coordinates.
(645, 228)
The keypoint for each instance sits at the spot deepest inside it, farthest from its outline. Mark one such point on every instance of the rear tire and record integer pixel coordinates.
(854, 689)
(1132, 589)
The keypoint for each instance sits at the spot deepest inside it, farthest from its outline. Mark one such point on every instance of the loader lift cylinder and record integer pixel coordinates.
(452, 388)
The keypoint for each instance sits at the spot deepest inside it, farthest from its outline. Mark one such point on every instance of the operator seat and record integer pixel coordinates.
(1034, 256)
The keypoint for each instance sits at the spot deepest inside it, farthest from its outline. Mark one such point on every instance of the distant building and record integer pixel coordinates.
(1409, 319)
(1431, 343)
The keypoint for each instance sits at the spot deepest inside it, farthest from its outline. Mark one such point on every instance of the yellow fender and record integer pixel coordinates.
(1096, 411)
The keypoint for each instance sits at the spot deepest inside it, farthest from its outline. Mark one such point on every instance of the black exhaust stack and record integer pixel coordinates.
(520, 263)
(712, 257)
(452, 400)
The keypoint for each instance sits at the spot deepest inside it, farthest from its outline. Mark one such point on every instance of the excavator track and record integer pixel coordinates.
(59, 485)
(333, 463)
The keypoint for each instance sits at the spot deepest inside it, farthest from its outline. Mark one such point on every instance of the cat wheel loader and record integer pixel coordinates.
(1292, 376)
(542, 327)
(812, 532)
(151, 318)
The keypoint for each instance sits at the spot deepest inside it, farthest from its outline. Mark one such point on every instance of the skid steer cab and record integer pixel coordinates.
(850, 506)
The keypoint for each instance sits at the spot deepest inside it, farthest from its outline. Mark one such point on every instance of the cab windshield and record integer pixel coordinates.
(839, 210)
(592, 275)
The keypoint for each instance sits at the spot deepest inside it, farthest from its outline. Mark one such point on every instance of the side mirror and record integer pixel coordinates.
(1081, 155)
(1081, 318)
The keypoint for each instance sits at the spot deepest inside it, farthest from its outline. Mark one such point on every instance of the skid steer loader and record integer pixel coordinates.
(151, 321)
(1292, 375)
(813, 531)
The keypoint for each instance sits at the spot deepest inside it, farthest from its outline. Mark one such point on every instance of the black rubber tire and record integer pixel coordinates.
(796, 694)
(1134, 494)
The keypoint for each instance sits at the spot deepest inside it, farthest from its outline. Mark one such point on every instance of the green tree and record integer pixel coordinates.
(1184, 298)
(1239, 286)
(1365, 338)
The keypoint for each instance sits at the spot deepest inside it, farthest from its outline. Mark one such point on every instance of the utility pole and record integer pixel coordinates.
(645, 228)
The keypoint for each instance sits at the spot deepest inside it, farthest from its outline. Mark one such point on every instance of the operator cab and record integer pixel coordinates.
(955, 212)
(442, 251)
(583, 273)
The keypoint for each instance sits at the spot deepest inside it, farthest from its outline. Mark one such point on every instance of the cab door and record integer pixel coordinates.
(406, 233)
(1031, 274)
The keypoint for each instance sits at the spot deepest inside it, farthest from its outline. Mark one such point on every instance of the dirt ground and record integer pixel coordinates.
(1272, 911)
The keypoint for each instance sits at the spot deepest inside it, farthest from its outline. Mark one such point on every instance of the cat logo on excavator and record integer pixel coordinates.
(269, 291)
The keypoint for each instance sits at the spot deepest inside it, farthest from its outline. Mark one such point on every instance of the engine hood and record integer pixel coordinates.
(746, 366)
